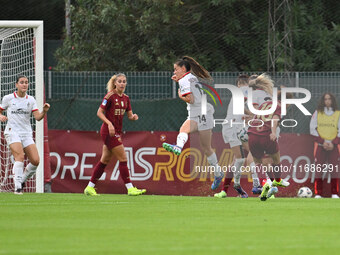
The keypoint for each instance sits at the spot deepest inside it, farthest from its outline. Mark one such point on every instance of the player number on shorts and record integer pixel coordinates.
(202, 119)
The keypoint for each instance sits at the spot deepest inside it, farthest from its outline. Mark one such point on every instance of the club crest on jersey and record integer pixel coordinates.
(104, 102)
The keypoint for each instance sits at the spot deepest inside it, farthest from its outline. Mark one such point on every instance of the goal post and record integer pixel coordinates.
(21, 52)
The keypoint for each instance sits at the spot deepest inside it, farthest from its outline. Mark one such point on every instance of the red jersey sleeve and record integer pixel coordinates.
(106, 102)
(278, 111)
(128, 107)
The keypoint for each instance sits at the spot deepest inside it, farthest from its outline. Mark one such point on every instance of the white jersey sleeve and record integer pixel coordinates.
(5, 102)
(314, 124)
(34, 102)
(230, 110)
(184, 86)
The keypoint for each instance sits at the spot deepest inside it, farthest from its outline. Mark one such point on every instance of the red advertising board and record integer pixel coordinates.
(74, 154)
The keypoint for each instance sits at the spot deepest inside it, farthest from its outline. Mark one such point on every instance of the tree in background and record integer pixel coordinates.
(224, 35)
(316, 35)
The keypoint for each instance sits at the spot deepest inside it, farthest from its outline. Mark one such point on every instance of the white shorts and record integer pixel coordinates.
(230, 135)
(204, 122)
(25, 140)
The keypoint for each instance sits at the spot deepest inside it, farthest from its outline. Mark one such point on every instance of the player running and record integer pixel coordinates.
(111, 111)
(263, 139)
(231, 135)
(187, 73)
(18, 131)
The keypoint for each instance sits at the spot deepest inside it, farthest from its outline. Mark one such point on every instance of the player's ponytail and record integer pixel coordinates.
(111, 83)
(251, 80)
(193, 66)
(242, 79)
(197, 69)
(264, 82)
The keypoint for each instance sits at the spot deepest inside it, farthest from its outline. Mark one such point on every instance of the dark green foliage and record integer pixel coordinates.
(224, 35)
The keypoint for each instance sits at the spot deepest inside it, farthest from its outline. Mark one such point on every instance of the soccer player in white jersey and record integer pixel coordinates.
(263, 90)
(186, 73)
(18, 132)
(232, 126)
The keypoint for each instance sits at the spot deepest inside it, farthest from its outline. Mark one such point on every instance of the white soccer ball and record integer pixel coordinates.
(305, 192)
(243, 135)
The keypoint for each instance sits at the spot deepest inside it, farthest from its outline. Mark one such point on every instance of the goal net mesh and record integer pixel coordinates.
(17, 55)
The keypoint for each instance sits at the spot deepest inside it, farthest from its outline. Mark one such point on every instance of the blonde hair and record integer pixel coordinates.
(111, 83)
(264, 82)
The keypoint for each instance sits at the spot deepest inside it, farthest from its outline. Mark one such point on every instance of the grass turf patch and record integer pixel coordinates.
(119, 224)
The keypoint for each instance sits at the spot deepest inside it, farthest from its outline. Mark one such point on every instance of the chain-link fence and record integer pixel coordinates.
(76, 96)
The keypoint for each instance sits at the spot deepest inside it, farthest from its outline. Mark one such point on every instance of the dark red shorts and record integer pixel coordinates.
(259, 145)
(111, 141)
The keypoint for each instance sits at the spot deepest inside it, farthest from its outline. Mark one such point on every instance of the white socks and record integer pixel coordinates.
(18, 170)
(237, 175)
(212, 160)
(129, 185)
(269, 181)
(254, 176)
(182, 138)
(29, 172)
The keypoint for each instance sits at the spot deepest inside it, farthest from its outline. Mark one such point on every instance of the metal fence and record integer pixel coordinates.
(92, 85)
(158, 85)
(77, 95)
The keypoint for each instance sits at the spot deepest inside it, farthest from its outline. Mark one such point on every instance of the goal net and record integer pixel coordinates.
(21, 52)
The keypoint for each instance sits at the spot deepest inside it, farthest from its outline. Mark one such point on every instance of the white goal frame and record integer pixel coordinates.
(38, 27)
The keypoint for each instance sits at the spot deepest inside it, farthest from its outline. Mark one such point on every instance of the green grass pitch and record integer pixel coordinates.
(119, 224)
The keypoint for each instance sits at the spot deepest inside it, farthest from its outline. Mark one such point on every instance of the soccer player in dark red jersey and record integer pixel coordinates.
(114, 105)
(262, 135)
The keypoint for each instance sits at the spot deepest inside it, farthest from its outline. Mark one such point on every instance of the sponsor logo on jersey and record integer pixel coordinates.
(20, 111)
(104, 102)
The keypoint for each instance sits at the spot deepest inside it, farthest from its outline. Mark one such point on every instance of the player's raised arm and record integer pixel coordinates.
(40, 115)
